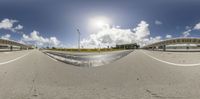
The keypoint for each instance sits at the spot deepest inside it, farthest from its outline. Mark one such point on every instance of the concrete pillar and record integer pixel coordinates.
(11, 48)
(164, 47)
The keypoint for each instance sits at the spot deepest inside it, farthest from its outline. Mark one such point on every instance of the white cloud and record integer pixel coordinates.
(19, 27)
(197, 26)
(187, 27)
(154, 39)
(142, 30)
(150, 40)
(8, 24)
(186, 33)
(112, 36)
(54, 41)
(158, 22)
(35, 39)
(168, 36)
(7, 36)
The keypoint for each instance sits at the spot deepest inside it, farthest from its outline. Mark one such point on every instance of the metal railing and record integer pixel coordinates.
(88, 60)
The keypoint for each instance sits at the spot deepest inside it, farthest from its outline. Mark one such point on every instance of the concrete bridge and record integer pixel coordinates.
(173, 41)
(13, 44)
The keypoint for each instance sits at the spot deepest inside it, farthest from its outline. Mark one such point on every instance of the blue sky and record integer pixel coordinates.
(59, 19)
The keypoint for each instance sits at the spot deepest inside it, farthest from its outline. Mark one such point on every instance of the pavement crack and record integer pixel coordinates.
(161, 96)
(33, 90)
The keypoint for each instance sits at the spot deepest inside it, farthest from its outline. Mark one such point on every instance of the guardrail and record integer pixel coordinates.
(87, 60)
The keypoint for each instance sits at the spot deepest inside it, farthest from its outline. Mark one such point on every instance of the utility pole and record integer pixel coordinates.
(99, 48)
(78, 39)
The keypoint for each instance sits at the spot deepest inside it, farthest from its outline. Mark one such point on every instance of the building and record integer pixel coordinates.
(127, 46)
(12, 45)
(175, 43)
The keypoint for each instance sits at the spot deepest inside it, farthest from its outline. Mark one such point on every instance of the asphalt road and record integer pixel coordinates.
(136, 76)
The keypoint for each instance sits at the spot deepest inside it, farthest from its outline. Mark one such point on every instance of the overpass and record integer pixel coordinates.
(173, 41)
(11, 44)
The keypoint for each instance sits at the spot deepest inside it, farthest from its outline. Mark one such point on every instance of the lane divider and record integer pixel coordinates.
(166, 62)
(48, 55)
(2, 63)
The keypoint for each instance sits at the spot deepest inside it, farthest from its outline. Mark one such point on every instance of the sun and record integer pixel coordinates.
(99, 22)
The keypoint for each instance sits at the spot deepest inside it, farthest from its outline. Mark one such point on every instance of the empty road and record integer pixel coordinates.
(33, 75)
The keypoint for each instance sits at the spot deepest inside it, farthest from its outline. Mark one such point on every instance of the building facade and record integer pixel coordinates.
(127, 46)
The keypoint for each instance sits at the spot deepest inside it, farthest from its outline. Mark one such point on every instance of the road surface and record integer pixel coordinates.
(136, 76)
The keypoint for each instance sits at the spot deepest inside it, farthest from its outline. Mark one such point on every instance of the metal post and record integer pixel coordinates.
(78, 39)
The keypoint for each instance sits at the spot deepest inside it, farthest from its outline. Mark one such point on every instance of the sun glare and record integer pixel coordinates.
(99, 22)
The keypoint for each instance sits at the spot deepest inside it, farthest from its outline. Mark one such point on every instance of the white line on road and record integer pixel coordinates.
(198, 64)
(14, 59)
(6, 52)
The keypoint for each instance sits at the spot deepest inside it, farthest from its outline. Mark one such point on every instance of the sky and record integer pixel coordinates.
(102, 23)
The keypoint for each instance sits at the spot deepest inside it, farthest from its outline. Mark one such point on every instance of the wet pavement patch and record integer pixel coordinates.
(88, 60)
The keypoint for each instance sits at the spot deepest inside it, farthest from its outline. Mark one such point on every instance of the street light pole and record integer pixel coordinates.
(78, 39)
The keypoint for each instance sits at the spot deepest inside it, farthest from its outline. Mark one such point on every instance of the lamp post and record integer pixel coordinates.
(100, 46)
(78, 39)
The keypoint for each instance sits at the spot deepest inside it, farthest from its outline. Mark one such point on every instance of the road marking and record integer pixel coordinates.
(198, 64)
(6, 52)
(14, 59)
(51, 57)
